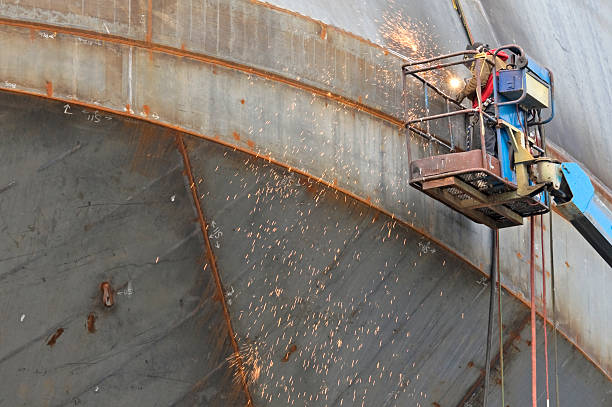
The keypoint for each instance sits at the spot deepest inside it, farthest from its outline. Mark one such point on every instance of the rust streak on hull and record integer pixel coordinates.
(149, 21)
(514, 335)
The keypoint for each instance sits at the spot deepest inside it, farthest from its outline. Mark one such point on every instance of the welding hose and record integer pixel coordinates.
(534, 395)
(494, 251)
(500, 320)
(544, 307)
(552, 278)
(554, 306)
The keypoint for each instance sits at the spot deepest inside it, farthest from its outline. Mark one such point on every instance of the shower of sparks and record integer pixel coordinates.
(251, 364)
(415, 39)
(406, 36)
(320, 318)
(318, 323)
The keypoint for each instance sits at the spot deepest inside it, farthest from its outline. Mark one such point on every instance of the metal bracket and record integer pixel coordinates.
(547, 171)
(522, 160)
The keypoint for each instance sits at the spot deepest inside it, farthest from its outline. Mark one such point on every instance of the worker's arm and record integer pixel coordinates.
(470, 88)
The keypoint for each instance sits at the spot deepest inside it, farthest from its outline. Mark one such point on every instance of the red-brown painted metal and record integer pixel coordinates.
(479, 192)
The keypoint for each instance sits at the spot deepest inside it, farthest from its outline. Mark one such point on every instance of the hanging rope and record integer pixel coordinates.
(500, 321)
(554, 306)
(552, 281)
(534, 396)
(544, 307)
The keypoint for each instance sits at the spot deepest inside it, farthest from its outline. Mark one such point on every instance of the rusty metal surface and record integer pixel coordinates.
(242, 32)
(97, 201)
(517, 380)
(330, 300)
(335, 304)
(366, 166)
(440, 165)
(207, 89)
(459, 181)
(190, 90)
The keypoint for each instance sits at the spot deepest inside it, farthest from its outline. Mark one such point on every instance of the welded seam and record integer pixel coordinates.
(213, 266)
(466, 27)
(208, 59)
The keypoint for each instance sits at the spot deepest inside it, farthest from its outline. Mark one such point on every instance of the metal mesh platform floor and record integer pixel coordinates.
(460, 182)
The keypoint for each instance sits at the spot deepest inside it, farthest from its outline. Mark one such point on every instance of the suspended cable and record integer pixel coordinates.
(554, 305)
(552, 279)
(544, 307)
(537, 115)
(500, 320)
(494, 251)
(534, 396)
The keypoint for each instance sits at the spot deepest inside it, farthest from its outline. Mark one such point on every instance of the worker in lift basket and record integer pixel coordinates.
(486, 81)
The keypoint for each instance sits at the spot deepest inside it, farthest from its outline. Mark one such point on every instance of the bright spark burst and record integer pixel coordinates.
(455, 82)
(416, 40)
(251, 363)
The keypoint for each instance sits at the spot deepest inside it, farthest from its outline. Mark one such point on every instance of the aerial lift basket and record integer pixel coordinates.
(471, 182)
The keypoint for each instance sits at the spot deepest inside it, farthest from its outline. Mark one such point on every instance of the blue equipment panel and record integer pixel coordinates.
(514, 82)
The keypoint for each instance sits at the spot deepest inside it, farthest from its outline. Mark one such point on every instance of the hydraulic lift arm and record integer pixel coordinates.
(575, 199)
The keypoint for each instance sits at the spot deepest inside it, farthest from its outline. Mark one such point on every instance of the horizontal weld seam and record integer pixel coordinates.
(208, 59)
(239, 67)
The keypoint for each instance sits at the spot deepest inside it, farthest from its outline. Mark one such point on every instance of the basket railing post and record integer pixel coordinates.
(427, 114)
(450, 128)
(478, 68)
(406, 131)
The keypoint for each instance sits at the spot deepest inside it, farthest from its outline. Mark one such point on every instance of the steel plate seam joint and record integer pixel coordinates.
(213, 265)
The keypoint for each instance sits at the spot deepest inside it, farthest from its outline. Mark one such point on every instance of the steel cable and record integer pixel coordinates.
(500, 321)
(544, 308)
(494, 261)
(552, 274)
(534, 396)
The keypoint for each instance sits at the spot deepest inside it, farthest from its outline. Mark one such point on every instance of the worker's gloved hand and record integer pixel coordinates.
(459, 97)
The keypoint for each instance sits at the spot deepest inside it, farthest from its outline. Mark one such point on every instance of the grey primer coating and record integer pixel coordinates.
(332, 302)
(313, 97)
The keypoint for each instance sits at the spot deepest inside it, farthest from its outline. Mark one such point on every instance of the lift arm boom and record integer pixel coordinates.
(575, 200)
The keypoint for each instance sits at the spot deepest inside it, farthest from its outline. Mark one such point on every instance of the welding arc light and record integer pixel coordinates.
(455, 83)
